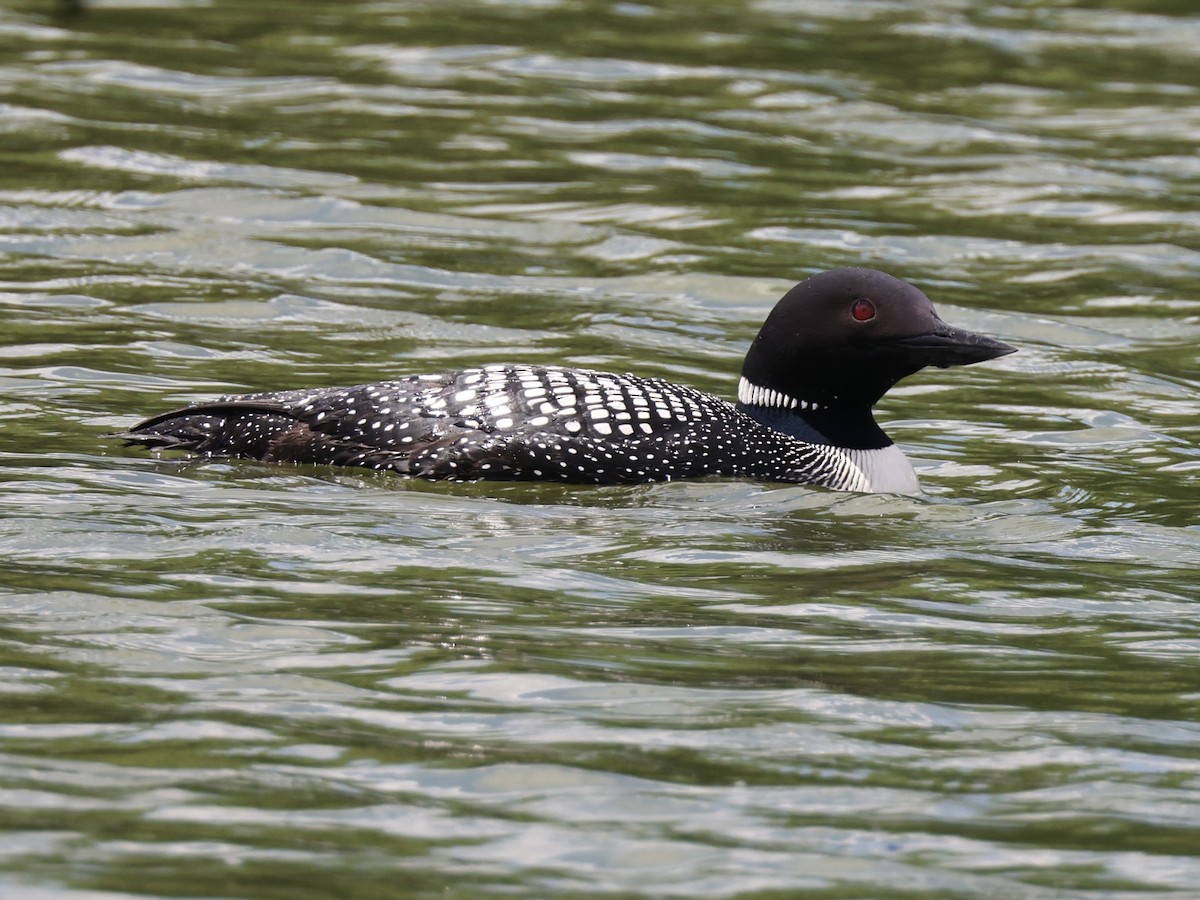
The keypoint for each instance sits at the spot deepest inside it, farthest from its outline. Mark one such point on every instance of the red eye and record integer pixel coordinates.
(863, 310)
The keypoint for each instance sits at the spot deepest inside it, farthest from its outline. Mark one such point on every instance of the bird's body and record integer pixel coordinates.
(549, 423)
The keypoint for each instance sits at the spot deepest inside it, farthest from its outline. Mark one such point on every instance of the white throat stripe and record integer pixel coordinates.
(753, 395)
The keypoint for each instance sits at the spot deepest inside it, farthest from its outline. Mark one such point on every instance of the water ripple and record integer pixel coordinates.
(220, 676)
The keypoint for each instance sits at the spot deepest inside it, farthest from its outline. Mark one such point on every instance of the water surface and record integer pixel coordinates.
(226, 679)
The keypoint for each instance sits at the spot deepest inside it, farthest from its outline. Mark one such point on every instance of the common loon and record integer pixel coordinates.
(831, 347)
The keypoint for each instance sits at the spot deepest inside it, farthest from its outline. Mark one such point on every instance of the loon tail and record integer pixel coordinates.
(247, 428)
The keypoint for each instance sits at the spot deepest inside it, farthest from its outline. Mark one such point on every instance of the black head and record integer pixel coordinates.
(844, 337)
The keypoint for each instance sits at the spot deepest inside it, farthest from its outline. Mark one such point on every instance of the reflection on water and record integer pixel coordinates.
(229, 679)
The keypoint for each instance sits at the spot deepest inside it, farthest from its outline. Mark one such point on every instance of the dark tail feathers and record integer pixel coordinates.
(244, 428)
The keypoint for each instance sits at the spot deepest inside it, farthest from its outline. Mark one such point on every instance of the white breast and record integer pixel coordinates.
(886, 470)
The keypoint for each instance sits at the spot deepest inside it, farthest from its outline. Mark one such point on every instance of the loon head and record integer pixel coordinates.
(842, 338)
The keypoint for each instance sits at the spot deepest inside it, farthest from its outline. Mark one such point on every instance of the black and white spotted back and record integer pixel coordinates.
(513, 422)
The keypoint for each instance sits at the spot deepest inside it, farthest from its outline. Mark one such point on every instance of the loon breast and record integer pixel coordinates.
(885, 470)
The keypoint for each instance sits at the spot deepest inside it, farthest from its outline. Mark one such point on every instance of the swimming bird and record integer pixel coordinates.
(831, 347)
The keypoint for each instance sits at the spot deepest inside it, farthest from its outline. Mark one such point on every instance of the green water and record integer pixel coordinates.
(226, 679)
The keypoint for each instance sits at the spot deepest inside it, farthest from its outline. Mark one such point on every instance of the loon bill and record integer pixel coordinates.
(831, 347)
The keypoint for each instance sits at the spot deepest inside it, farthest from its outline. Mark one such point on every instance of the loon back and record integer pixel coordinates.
(526, 422)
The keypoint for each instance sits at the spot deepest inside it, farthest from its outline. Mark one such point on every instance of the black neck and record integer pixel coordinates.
(853, 428)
